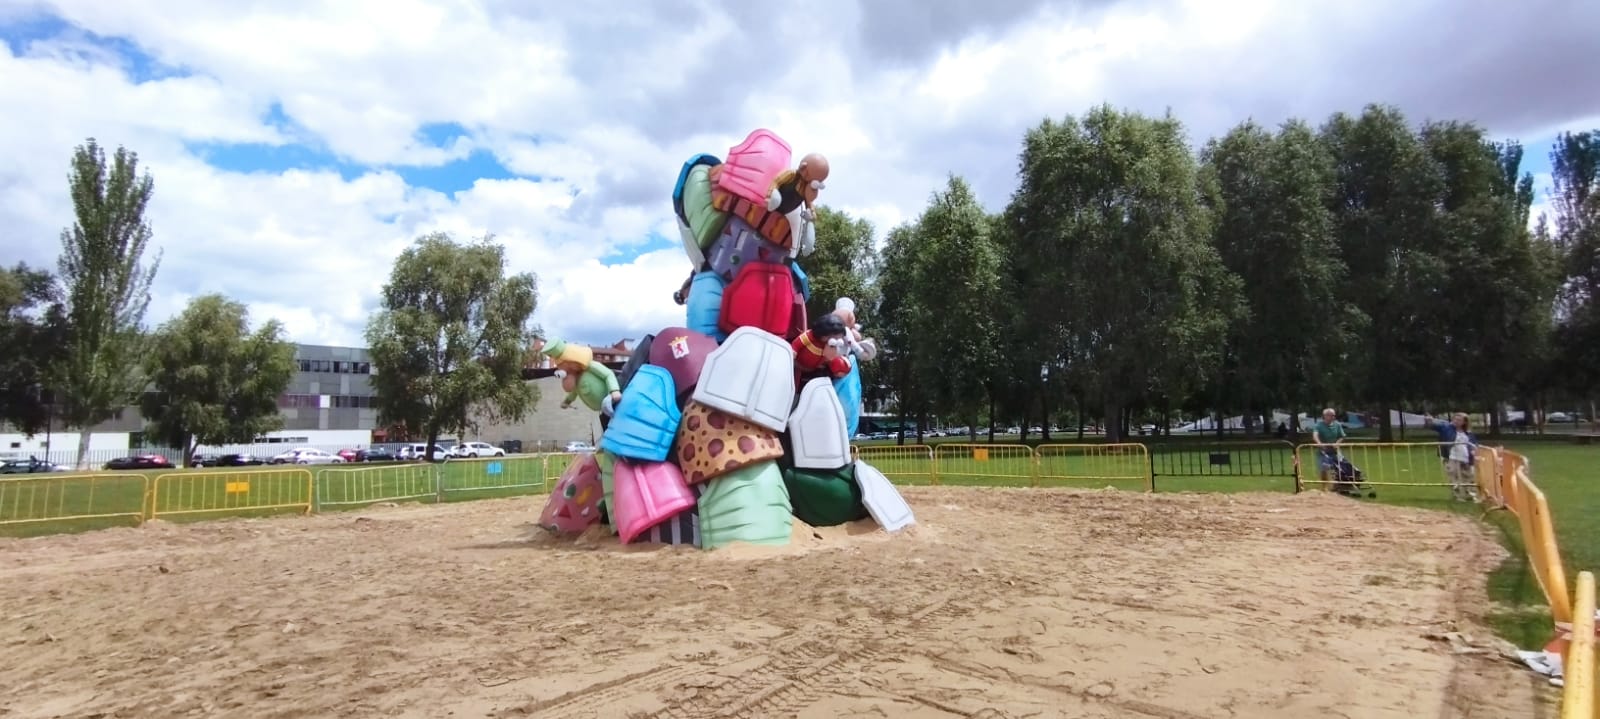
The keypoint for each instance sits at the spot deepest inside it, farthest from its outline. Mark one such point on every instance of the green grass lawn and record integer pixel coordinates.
(1409, 476)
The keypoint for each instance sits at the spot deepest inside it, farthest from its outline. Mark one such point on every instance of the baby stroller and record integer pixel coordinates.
(1346, 478)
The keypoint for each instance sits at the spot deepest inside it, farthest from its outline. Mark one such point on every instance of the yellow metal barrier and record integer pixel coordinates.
(1093, 463)
(347, 486)
(1580, 663)
(180, 493)
(555, 465)
(1382, 464)
(520, 471)
(1006, 464)
(1539, 541)
(902, 464)
(73, 497)
(1486, 472)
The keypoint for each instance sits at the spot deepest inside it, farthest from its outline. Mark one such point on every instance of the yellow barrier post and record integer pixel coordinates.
(1539, 539)
(32, 500)
(902, 464)
(1093, 463)
(1579, 665)
(1011, 464)
(187, 493)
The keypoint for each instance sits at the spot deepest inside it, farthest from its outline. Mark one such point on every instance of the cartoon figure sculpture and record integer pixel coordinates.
(820, 351)
(864, 348)
(583, 378)
(794, 195)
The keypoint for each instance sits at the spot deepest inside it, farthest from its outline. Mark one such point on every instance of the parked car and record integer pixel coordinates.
(512, 446)
(31, 465)
(374, 454)
(476, 449)
(227, 460)
(578, 447)
(139, 461)
(307, 455)
(419, 452)
(348, 455)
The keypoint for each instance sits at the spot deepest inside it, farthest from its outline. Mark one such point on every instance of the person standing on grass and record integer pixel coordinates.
(1458, 451)
(1328, 433)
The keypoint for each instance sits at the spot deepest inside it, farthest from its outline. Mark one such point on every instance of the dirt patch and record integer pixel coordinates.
(1001, 603)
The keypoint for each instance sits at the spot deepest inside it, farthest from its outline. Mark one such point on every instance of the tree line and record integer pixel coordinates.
(1368, 262)
(448, 342)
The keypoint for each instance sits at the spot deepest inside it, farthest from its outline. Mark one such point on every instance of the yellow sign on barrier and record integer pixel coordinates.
(73, 497)
(980, 454)
(238, 487)
(186, 493)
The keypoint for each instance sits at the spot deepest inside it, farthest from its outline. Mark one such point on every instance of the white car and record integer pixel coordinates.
(579, 447)
(307, 455)
(476, 449)
(416, 453)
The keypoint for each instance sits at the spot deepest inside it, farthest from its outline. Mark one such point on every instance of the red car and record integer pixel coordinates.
(349, 455)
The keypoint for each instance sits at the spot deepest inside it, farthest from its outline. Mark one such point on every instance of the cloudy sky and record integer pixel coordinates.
(298, 146)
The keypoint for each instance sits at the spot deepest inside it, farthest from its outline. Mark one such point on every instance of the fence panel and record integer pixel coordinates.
(1487, 474)
(189, 493)
(1123, 466)
(902, 464)
(1539, 540)
(556, 464)
(1410, 470)
(516, 474)
(351, 486)
(1579, 667)
(1224, 466)
(90, 500)
(1002, 465)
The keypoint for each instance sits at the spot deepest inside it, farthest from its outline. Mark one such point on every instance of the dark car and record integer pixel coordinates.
(374, 454)
(140, 461)
(227, 460)
(30, 465)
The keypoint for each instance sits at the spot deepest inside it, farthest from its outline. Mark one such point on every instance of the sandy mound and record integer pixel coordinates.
(1003, 603)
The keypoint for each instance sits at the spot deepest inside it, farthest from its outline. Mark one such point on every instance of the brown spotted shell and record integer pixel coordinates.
(711, 443)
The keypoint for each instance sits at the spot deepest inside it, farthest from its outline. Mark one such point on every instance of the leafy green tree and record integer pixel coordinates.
(843, 263)
(106, 289)
(1496, 289)
(956, 278)
(216, 382)
(450, 337)
(1120, 268)
(1575, 176)
(1386, 188)
(30, 341)
(897, 313)
(1269, 197)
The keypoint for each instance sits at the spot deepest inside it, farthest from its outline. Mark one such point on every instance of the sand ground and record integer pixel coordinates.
(1001, 603)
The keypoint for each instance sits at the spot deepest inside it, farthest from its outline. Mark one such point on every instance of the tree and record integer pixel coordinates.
(30, 326)
(1386, 187)
(450, 337)
(215, 381)
(1575, 176)
(896, 313)
(1269, 197)
(1120, 270)
(106, 289)
(843, 263)
(956, 279)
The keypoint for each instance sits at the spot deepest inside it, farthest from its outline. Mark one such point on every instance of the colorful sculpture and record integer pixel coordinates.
(594, 382)
(704, 442)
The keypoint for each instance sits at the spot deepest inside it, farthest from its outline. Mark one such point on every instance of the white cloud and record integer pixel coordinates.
(603, 108)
